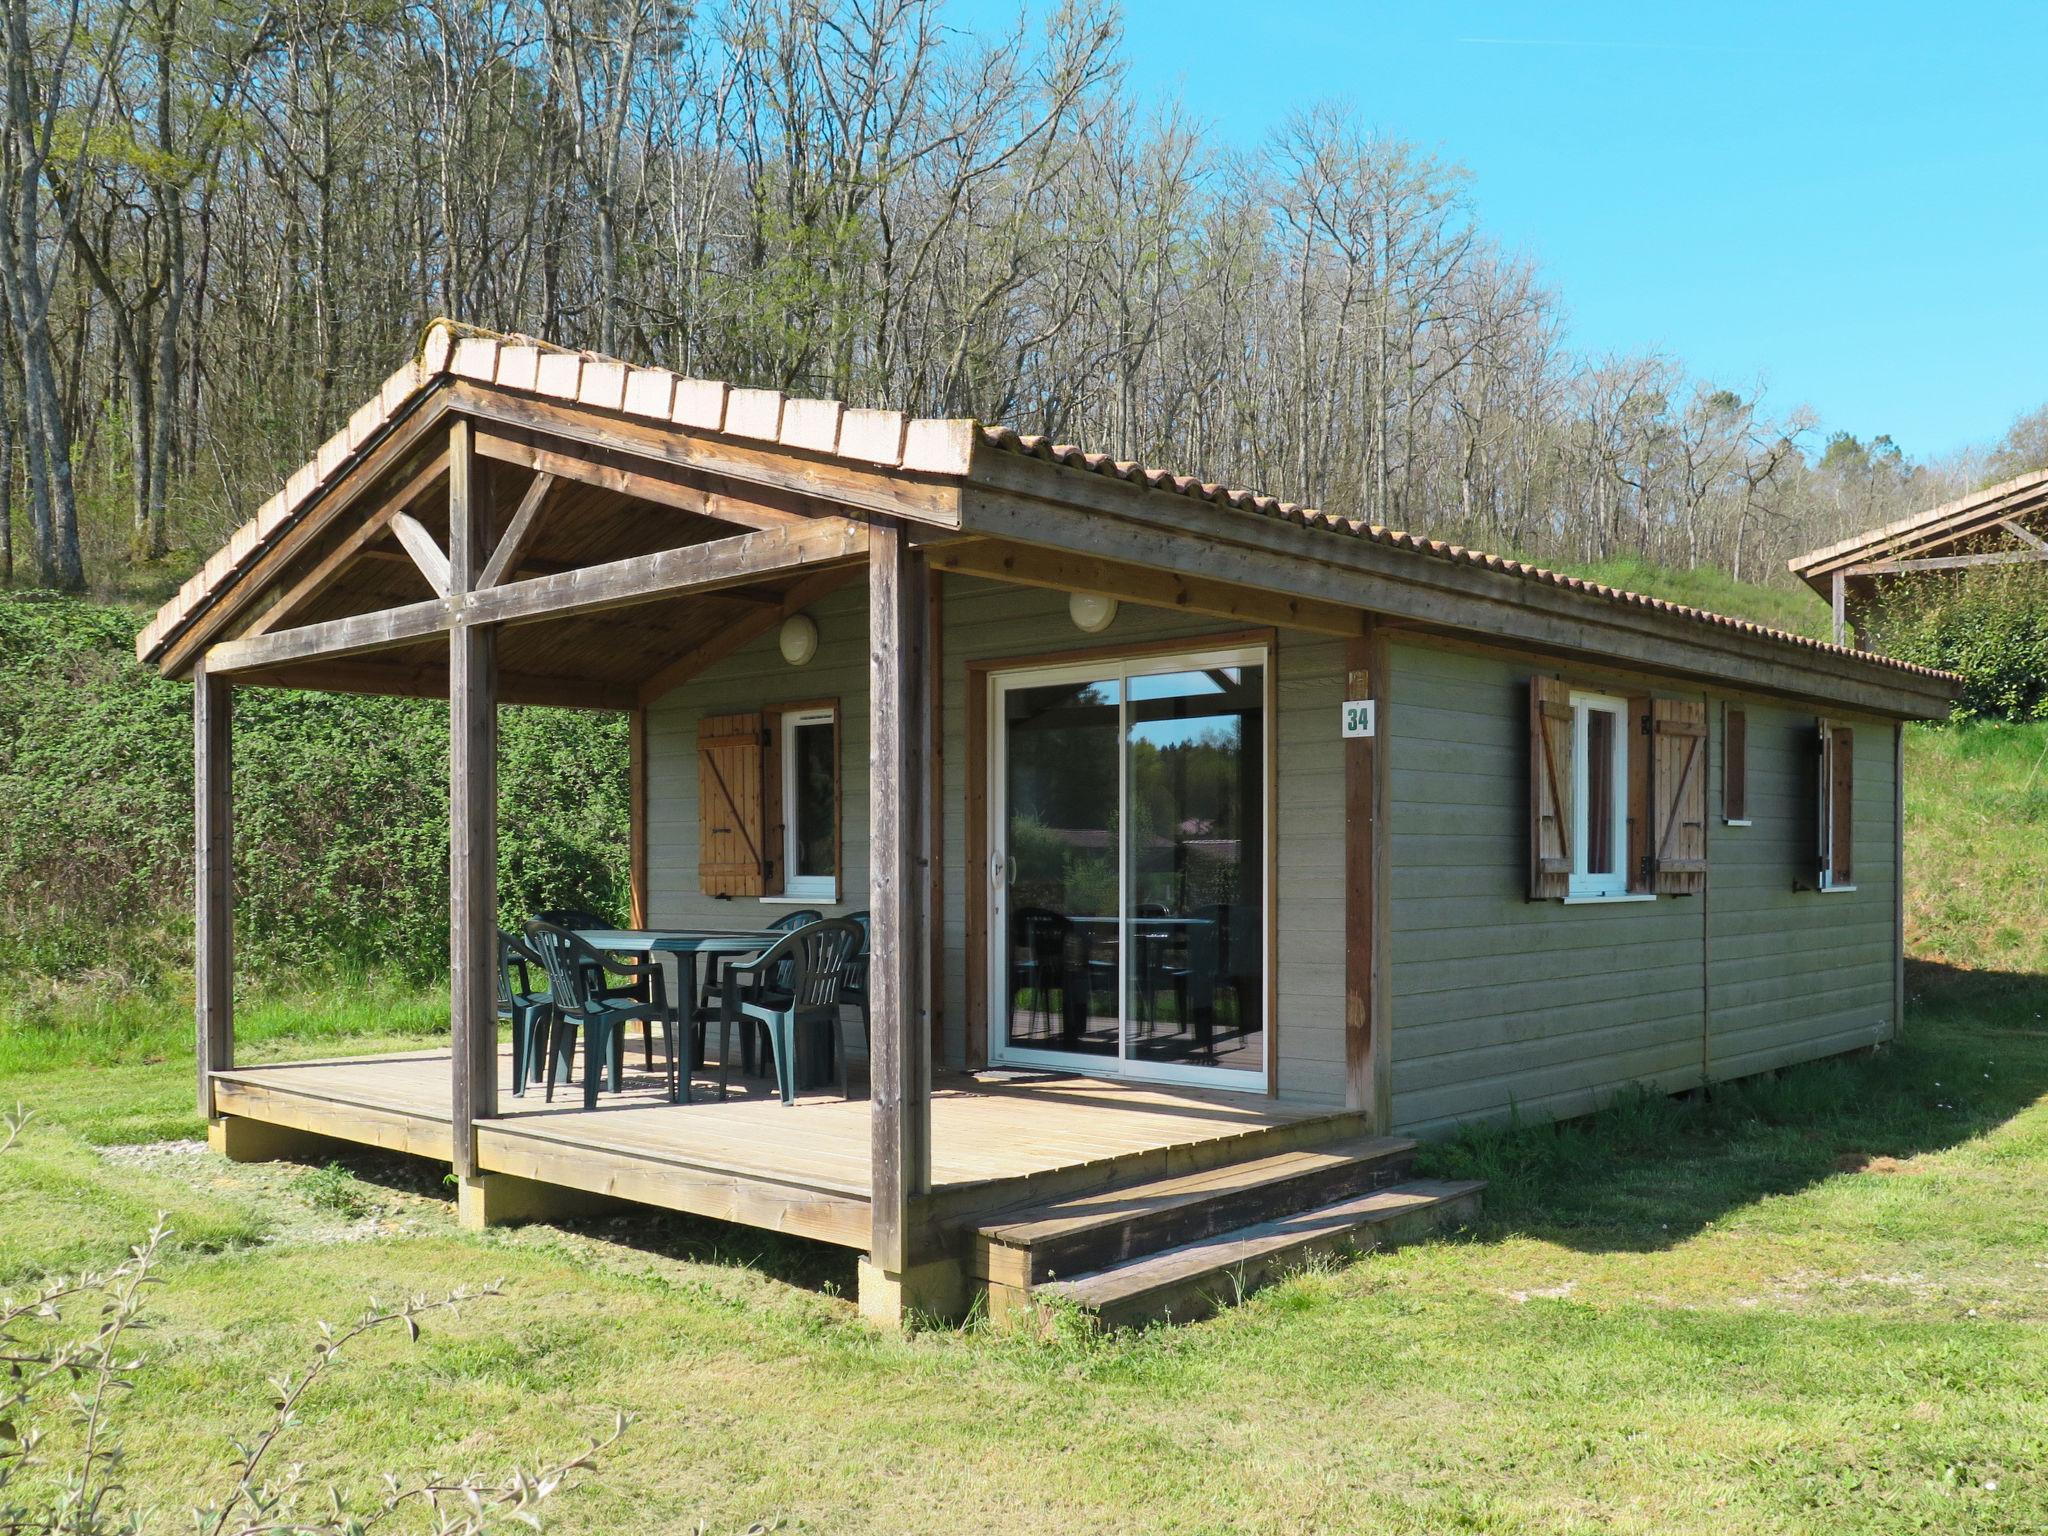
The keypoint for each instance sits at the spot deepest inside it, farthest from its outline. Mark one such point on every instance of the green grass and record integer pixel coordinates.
(1817, 1302)
(1794, 609)
(1977, 846)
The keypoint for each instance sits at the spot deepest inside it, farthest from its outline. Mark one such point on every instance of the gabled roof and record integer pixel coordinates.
(952, 449)
(1938, 531)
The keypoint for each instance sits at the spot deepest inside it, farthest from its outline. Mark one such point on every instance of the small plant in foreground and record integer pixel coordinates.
(333, 1188)
(60, 1456)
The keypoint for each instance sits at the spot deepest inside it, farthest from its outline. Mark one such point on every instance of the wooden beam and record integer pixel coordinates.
(333, 639)
(425, 553)
(407, 680)
(1368, 1054)
(592, 466)
(472, 817)
(588, 589)
(518, 537)
(1137, 526)
(1947, 563)
(1154, 586)
(2024, 534)
(1839, 603)
(744, 630)
(636, 812)
(401, 438)
(731, 561)
(355, 544)
(213, 932)
(899, 1060)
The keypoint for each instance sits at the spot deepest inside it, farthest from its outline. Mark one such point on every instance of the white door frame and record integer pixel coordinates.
(1120, 668)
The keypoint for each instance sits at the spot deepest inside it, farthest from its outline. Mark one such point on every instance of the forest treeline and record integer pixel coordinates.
(223, 221)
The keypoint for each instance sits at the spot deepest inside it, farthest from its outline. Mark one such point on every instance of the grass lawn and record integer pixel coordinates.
(1815, 1303)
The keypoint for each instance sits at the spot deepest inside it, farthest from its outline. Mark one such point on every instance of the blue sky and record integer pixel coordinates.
(1849, 203)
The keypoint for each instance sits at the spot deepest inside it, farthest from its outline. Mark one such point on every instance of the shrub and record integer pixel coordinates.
(341, 812)
(1990, 624)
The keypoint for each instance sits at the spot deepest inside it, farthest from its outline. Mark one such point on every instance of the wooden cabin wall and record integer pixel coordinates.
(1795, 974)
(755, 677)
(1503, 1005)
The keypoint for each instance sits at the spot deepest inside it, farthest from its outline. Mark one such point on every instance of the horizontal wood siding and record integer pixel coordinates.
(756, 677)
(1504, 1005)
(1796, 974)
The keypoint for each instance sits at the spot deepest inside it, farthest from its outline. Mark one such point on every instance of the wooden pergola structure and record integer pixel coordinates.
(511, 522)
(2004, 524)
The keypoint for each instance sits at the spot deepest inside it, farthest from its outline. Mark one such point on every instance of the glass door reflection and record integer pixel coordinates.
(1193, 931)
(1059, 833)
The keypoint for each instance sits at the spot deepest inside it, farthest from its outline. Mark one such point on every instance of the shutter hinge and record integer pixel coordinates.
(1647, 871)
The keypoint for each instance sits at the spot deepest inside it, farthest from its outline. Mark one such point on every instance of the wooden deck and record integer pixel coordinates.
(801, 1169)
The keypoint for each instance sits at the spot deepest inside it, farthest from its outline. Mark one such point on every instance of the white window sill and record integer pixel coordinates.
(1741, 821)
(1610, 898)
(821, 899)
(1834, 890)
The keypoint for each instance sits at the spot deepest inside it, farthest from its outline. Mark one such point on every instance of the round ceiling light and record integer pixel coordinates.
(1091, 612)
(799, 639)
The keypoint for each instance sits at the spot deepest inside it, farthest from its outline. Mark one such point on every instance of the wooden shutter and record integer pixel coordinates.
(1734, 764)
(1678, 796)
(1841, 762)
(1550, 788)
(732, 820)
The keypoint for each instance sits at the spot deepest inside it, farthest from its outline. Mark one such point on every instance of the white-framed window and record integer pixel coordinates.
(1599, 796)
(810, 803)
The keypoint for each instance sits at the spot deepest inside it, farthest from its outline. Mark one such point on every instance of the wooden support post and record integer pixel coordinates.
(636, 814)
(1368, 1077)
(472, 815)
(899, 1061)
(1841, 608)
(213, 931)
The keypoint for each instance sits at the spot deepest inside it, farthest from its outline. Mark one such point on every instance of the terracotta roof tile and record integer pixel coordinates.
(886, 438)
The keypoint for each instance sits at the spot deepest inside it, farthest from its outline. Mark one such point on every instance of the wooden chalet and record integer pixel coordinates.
(2004, 524)
(1215, 848)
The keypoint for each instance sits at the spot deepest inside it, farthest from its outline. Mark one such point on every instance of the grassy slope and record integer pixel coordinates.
(1818, 1303)
(1793, 609)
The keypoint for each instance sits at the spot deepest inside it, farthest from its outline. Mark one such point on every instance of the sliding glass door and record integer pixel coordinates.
(1129, 836)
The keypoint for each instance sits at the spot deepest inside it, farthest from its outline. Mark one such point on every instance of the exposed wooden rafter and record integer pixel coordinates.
(518, 535)
(666, 488)
(373, 528)
(744, 630)
(414, 539)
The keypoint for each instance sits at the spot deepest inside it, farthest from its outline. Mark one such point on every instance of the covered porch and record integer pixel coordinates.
(512, 524)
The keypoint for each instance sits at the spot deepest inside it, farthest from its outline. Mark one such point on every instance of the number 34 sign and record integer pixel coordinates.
(1357, 717)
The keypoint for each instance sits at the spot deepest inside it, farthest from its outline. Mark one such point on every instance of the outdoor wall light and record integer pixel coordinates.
(799, 639)
(1091, 612)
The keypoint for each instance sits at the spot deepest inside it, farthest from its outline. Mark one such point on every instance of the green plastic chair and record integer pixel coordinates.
(529, 1009)
(584, 1000)
(797, 980)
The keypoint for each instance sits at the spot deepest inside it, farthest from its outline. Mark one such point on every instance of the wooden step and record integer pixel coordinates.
(1198, 1278)
(1095, 1229)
